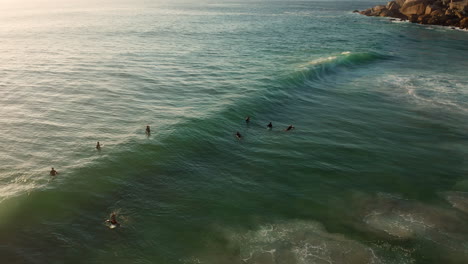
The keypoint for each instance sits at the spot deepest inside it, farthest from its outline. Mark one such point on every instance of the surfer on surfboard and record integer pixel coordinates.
(238, 135)
(148, 130)
(98, 146)
(53, 172)
(270, 126)
(289, 128)
(113, 220)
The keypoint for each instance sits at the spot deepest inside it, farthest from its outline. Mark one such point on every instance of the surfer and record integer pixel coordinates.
(270, 126)
(148, 130)
(112, 220)
(289, 128)
(98, 146)
(53, 172)
(238, 135)
(247, 119)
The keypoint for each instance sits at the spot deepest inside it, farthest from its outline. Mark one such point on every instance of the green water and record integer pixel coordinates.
(375, 170)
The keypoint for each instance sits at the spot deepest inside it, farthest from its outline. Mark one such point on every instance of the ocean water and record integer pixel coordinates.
(375, 170)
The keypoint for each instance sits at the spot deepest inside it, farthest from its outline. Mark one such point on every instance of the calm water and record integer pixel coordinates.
(375, 170)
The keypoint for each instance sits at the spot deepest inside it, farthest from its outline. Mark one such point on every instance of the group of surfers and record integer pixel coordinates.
(53, 172)
(269, 126)
(113, 216)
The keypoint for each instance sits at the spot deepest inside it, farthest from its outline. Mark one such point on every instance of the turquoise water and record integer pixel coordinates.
(375, 170)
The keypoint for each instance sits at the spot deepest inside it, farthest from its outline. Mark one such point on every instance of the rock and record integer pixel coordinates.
(434, 12)
(450, 12)
(437, 20)
(393, 13)
(452, 22)
(378, 9)
(459, 4)
(413, 18)
(385, 13)
(459, 14)
(397, 14)
(464, 23)
(428, 10)
(424, 19)
(437, 13)
(374, 11)
(414, 7)
(356, 11)
(365, 12)
(433, 7)
(400, 2)
(392, 5)
(434, 21)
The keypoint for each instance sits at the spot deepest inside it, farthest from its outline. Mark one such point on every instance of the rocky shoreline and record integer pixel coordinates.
(453, 13)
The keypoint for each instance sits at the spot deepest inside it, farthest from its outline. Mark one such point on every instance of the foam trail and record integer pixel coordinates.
(322, 60)
(458, 200)
(438, 91)
(407, 219)
(319, 61)
(301, 242)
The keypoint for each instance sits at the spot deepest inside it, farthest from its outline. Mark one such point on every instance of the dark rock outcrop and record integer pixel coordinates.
(453, 13)
(414, 7)
(464, 22)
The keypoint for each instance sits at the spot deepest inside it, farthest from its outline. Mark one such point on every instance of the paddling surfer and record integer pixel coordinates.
(53, 172)
(113, 220)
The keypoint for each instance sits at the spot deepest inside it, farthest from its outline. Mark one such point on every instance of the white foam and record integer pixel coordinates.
(458, 200)
(398, 223)
(300, 13)
(437, 91)
(399, 21)
(322, 60)
(407, 219)
(13, 189)
(319, 61)
(301, 242)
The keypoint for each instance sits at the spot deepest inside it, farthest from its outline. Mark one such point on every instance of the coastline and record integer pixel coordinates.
(447, 13)
(427, 26)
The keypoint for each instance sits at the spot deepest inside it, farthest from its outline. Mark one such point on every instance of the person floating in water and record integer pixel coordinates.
(98, 146)
(148, 130)
(53, 172)
(289, 128)
(270, 126)
(238, 135)
(247, 119)
(113, 220)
